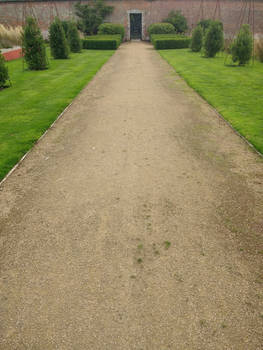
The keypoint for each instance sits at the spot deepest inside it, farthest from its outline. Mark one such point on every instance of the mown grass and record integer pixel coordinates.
(236, 92)
(36, 98)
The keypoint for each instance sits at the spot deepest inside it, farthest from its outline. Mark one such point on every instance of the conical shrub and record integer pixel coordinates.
(214, 39)
(33, 46)
(3, 71)
(57, 39)
(74, 38)
(197, 39)
(243, 46)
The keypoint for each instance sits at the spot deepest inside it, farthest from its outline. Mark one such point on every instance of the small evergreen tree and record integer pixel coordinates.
(214, 39)
(65, 25)
(197, 39)
(3, 71)
(33, 46)
(243, 46)
(58, 42)
(73, 38)
(178, 20)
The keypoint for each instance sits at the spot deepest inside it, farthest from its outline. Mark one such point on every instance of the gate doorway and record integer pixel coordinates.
(135, 25)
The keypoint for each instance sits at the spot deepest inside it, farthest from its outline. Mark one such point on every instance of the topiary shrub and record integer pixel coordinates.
(112, 28)
(214, 39)
(65, 25)
(74, 38)
(33, 46)
(178, 20)
(242, 47)
(161, 28)
(58, 42)
(197, 39)
(3, 71)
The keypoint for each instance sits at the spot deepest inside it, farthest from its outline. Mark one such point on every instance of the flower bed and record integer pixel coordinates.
(12, 54)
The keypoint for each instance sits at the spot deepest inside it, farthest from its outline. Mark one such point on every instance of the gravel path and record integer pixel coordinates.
(135, 224)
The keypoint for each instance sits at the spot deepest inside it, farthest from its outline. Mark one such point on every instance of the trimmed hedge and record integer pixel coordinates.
(172, 43)
(161, 28)
(166, 36)
(101, 42)
(112, 28)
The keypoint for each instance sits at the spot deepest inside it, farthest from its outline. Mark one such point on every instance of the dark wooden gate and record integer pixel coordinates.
(136, 25)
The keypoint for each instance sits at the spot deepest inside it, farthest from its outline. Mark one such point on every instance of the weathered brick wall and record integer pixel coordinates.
(152, 10)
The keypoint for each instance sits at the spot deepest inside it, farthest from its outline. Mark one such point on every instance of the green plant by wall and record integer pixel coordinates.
(161, 28)
(3, 71)
(33, 46)
(242, 47)
(214, 39)
(178, 20)
(91, 15)
(197, 39)
(74, 38)
(58, 42)
(112, 28)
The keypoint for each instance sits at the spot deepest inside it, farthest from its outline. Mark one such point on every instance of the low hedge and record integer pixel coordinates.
(172, 43)
(166, 36)
(101, 42)
(161, 28)
(111, 29)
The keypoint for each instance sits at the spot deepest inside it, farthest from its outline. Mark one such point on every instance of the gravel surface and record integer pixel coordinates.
(135, 224)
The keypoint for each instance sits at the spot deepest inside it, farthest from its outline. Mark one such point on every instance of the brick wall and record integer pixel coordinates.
(152, 11)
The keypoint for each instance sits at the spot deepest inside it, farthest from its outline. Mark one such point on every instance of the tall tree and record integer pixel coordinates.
(92, 15)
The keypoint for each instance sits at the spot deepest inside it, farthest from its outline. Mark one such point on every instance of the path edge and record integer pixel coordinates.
(219, 115)
(50, 127)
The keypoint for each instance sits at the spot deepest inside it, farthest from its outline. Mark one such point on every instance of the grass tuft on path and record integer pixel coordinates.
(236, 92)
(36, 99)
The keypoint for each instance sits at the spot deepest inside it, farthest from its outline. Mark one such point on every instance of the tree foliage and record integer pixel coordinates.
(205, 23)
(178, 20)
(92, 15)
(214, 39)
(58, 42)
(74, 38)
(243, 46)
(197, 39)
(3, 71)
(33, 45)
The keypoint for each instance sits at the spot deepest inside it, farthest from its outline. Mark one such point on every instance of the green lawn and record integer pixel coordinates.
(36, 99)
(236, 92)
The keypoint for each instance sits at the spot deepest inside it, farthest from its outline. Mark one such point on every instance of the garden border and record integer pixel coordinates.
(42, 136)
(215, 110)
(52, 125)
(222, 118)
